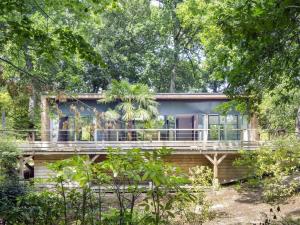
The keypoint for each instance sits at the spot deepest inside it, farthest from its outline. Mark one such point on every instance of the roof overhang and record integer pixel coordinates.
(158, 96)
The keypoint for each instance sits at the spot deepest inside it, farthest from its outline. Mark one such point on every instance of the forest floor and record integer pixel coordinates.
(234, 207)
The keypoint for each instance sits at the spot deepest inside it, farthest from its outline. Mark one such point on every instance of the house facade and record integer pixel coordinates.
(190, 124)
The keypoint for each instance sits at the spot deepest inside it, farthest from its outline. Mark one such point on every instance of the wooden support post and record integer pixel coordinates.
(45, 119)
(254, 136)
(215, 161)
(21, 168)
(23, 161)
(94, 158)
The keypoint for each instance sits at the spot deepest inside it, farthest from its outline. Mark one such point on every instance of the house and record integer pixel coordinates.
(187, 123)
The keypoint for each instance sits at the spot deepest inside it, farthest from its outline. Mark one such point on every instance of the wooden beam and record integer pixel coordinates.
(21, 168)
(209, 158)
(26, 159)
(23, 161)
(215, 166)
(29, 166)
(94, 158)
(215, 161)
(221, 159)
(45, 119)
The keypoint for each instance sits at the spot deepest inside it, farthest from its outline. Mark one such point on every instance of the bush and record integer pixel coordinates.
(198, 210)
(10, 186)
(39, 208)
(75, 201)
(271, 167)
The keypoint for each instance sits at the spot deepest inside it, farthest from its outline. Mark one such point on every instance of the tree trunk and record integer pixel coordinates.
(129, 133)
(298, 123)
(176, 32)
(173, 73)
(31, 86)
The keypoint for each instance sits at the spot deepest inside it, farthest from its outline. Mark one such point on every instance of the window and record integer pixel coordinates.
(169, 123)
(223, 127)
(70, 129)
(231, 128)
(213, 127)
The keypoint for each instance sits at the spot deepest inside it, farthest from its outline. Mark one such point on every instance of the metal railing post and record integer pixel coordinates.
(96, 135)
(194, 135)
(175, 134)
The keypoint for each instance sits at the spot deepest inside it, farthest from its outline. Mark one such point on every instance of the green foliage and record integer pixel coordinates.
(134, 102)
(83, 204)
(40, 208)
(10, 187)
(256, 50)
(45, 47)
(9, 155)
(146, 43)
(160, 204)
(278, 109)
(126, 169)
(197, 211)
(201, 176)
(279, 162)
(253, 47)
(10, 191)
(79, 194)
(123, 173)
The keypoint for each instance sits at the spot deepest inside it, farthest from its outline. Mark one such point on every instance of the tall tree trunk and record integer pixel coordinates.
(174, 72)
(31, 86)
(298, 123)
(175, 37)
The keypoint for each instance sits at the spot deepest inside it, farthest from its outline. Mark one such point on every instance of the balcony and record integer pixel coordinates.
(183, 141)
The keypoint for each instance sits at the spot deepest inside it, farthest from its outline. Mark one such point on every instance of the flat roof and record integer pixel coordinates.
(158, 96)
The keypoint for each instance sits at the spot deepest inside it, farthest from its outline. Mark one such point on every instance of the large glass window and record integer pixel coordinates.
(168, 134)
(201, 127)
(223, 127)
(231, 128)
(71, 129)
(213, 127)
(86, 129)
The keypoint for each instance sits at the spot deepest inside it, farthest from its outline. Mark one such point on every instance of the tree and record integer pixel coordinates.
(126, 169)
(44, 47)
(137, 43)
(134, 102)
(252, 45)
(273, 105)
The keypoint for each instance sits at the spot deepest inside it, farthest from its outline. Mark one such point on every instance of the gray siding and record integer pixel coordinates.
(165, 107)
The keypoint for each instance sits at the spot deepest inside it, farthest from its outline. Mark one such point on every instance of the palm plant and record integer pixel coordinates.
(134, 101)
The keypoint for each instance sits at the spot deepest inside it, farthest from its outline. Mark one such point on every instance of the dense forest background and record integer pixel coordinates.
(243, 48)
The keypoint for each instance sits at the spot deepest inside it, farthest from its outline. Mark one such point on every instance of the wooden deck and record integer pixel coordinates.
(191, 147)
(91, 147)
(182, 141)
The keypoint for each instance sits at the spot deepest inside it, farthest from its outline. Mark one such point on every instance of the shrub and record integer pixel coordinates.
(198, 210)
(271, 166)
(10, 186)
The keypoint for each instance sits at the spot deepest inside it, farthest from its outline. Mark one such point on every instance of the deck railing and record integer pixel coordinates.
(133, 135)
(95, 141)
